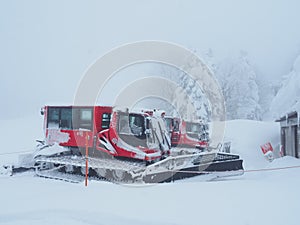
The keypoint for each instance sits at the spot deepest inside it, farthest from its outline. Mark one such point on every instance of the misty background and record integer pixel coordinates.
(253, 48)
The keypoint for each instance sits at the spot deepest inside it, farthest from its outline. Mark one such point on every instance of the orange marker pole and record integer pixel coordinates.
(86, 159)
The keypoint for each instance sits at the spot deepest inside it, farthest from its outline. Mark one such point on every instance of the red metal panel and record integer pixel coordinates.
(98, 112)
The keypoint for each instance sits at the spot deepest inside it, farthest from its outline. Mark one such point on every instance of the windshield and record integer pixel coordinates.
(197, 130)
(131, 129)
(172, 124)
(169, 123)
(193, 128)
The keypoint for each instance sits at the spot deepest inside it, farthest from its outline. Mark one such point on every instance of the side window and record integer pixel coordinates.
(85, 121)
(53, 118)
(105, 120)
(82, 118)
(53, 115)
(176, 125)
(86, 115)
(66, 118)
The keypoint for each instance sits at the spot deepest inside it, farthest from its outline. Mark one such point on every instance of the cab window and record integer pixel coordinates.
(105, 120)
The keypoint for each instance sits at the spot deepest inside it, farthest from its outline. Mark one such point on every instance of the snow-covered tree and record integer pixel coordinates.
(288, 97)
(267, 91)
(238, 81)
(240, 89)
(190, 87)
(210, 61)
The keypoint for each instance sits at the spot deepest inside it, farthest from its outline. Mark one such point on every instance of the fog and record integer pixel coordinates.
(46, 46)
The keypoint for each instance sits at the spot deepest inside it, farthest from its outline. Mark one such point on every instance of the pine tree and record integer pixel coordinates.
(240, 89)
(196, 96)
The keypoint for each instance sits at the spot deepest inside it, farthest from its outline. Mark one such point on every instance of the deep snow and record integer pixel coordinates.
(257, 197)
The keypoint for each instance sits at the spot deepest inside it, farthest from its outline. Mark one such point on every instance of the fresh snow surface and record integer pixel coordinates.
(19, 136)
(259, 197)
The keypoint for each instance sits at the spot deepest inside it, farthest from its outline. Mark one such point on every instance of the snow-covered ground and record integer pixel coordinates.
(258, 197)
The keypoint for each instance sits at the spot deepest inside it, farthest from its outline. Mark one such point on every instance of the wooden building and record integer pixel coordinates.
(290, 134)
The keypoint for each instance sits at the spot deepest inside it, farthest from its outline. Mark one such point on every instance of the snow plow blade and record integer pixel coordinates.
(212, 165)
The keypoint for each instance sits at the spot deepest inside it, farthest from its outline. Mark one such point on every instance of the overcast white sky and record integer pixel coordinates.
(45, 46)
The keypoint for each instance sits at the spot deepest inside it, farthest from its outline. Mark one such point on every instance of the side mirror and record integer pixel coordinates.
(42, 111)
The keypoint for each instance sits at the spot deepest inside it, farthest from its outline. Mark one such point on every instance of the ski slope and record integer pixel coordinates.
(258, 197)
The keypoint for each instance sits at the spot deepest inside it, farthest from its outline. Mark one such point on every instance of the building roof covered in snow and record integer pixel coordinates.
(291, 115)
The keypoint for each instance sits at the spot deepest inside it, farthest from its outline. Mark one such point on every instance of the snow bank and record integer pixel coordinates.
(246, 137)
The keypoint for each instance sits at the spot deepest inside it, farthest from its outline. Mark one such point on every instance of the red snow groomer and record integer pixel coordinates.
(117, 133)
(121, 146)
(187, 134)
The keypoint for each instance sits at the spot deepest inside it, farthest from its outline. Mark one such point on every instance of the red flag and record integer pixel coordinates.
(266, 148)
